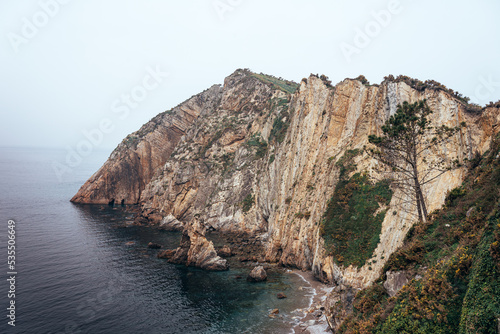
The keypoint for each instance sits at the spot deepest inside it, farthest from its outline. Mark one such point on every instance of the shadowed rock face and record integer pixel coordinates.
(251, 157)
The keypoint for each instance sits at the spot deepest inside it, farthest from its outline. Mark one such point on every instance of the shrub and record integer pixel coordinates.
(247, 203)
(278, 132)
(350, 227)
(363, 80)
(260, 146)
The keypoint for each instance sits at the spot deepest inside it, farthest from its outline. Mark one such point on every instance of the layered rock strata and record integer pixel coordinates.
(256, 157)
(130, 167)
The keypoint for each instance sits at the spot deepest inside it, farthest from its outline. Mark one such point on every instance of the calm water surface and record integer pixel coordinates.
(86, 269)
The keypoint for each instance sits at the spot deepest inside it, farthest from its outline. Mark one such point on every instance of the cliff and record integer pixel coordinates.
(446, 276)
(133, 163)
(263, 156)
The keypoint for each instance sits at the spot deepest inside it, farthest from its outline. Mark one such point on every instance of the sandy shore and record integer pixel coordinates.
(311, 319)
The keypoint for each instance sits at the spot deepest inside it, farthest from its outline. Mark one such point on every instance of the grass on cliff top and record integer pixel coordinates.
(457, 254)
(287, 86)
(351, 225)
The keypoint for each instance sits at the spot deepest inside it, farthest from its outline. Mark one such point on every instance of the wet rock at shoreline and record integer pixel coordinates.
(153, 245)
(225, 251)
(166, 254)
(274, 313)
(258, 274)
(281, 295)
(196, 251)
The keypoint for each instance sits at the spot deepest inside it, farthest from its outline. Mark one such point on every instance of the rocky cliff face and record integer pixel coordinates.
(133, 163)
(326, 122)
(254, 156)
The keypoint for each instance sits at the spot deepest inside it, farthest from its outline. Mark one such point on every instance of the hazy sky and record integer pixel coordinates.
(70, 66)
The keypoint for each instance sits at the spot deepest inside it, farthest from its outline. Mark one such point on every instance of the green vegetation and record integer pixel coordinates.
(222, 128)
(227, 160)
(280, 127)
(457, 253)
(212, 141)
(281, 122)
(287, 86)
(351, 224)
(434, 85)
(260, 146)
(247, 203)
(131, 141)
(326, 80)
(363, 80)
(305, 215)
(404, 145)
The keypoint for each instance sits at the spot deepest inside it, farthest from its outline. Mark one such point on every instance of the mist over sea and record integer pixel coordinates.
(87, 269)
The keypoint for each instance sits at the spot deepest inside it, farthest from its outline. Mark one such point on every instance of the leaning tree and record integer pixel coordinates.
(406, 143)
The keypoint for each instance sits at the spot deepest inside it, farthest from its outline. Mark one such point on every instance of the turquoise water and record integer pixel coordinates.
(87, 269)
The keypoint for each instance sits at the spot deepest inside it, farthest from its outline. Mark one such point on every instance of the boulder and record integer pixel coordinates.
(258, 274)
(281, 295)
(166, 254)
(318, 313)
(153, 245)
(196, 251)
(225, 251)
(395, 281)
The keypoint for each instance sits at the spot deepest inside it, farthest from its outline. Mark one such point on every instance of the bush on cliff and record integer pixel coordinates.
(457, 257)
(353, 220)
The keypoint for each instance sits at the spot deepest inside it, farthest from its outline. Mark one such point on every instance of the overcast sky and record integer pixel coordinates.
(67, 67)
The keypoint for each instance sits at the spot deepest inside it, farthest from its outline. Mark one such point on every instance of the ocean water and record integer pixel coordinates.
(86, 269)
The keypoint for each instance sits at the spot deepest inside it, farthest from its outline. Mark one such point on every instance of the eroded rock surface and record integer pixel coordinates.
(395, 281)
(255, 157)
(133, 163)
(258, 274)
(196, 251)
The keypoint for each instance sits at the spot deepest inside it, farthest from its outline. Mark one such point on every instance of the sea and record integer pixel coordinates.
(87, 268)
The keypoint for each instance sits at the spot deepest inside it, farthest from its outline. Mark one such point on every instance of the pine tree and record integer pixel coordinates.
(408, 138)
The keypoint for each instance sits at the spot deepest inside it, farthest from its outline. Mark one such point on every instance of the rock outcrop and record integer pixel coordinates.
(195, 250)
(395, 281)
(133, 163)
(258, 274)
(258, 156)
(153, 245)
(225, 251)
(339, 304)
